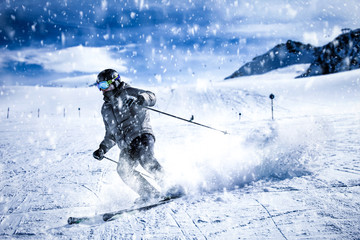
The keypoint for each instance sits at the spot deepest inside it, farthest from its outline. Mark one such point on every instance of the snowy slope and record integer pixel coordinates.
(297, 177)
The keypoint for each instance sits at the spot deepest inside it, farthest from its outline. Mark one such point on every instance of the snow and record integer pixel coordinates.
(297, 177)
(294, 177)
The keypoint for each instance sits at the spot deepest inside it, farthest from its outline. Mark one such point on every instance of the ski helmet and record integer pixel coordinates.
(106, 77)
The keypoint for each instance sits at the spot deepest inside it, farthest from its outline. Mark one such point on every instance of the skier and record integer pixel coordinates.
(127, 125)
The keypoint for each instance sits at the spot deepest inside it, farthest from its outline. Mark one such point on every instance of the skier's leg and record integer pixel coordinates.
(126, 170)
(145, 153)
(142, 148)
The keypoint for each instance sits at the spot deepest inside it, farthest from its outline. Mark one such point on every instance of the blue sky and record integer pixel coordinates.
(153, 42)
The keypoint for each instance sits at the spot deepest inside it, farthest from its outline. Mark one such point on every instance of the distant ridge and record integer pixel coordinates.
(341, 54)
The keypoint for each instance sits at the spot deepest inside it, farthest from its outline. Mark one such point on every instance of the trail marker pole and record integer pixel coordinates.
(8, 113)
(272, 96)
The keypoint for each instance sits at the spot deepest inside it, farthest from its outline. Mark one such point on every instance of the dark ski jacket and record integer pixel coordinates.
(124, 123)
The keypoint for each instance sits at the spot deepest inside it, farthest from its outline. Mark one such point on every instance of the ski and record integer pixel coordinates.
(75, 220)
(113, 215)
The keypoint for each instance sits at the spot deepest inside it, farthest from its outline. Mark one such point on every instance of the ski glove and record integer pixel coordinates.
(99, 154)
(139, 100)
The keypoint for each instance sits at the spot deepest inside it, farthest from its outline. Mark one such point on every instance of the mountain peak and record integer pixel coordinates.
(341, 54)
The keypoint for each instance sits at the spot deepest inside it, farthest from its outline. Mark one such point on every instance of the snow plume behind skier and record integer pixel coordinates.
(257, 148)
(127, 125)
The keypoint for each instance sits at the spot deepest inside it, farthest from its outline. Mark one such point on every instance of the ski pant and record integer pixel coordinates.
(140, 151)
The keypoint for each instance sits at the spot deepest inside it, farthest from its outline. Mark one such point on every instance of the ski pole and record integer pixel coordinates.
(111, 160)
(189, 121)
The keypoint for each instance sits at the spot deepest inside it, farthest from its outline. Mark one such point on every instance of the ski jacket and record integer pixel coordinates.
(124, 123)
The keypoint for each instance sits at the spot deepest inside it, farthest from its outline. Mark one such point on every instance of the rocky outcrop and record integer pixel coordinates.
(281, 55)
(341, 54)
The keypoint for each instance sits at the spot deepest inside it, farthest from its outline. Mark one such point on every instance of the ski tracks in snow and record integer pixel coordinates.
(272, 219)
(185, 223)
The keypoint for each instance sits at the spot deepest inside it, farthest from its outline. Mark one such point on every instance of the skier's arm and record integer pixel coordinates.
(144, 98)
(109, 140)
(149, 99)
(105, 145)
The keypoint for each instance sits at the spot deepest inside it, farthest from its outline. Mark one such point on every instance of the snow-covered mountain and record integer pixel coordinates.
(66, 43)
(282, 55)
(341, 54)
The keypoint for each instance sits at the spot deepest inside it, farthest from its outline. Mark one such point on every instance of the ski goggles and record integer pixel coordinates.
(103, 85)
